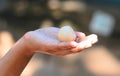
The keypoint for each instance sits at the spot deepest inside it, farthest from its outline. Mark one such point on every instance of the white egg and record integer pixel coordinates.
(66, 33)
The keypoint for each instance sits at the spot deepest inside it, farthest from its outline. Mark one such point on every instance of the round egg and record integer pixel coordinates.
(66, 33)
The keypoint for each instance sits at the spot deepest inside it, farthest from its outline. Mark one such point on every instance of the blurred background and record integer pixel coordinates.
(101, 17)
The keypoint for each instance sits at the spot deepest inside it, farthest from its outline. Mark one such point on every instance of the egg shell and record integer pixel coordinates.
(66, 33)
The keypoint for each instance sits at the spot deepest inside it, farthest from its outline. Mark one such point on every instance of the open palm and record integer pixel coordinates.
(45, 40)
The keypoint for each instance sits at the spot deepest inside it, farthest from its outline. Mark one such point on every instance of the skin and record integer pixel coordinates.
(45, 41)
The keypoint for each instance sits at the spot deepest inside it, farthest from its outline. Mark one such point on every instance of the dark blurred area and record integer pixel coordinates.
(101, 17)
(28, 15)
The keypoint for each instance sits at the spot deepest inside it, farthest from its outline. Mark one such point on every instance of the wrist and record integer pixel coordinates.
(28, 41)
(23, 46)
(28, 49)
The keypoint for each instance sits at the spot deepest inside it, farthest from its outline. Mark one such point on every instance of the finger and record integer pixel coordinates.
(80, 36)
(82, 45)
(72, 50)
(92, 38)
(67, 45)
(86, 43)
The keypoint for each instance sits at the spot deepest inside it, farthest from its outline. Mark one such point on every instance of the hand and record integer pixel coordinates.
(45, 41)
